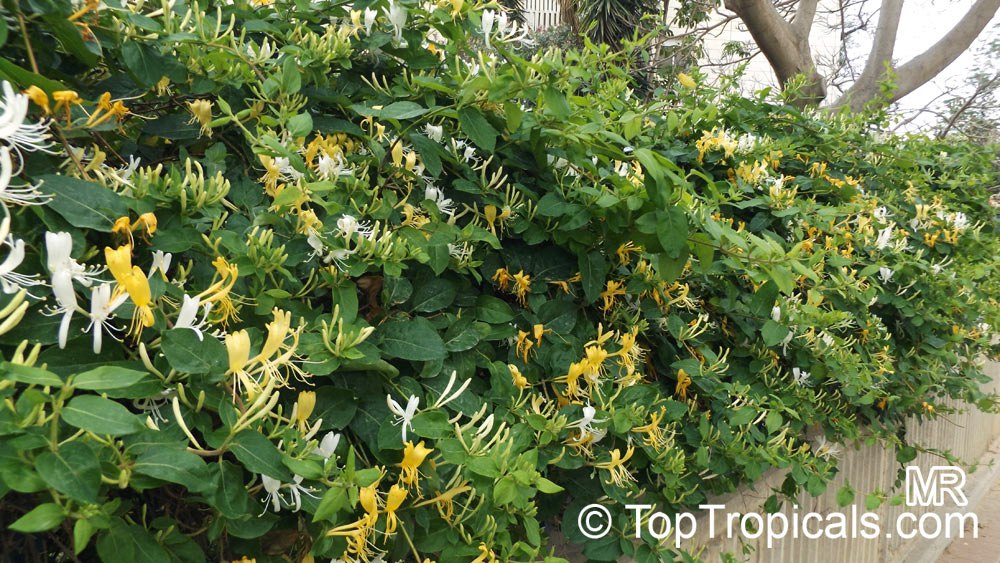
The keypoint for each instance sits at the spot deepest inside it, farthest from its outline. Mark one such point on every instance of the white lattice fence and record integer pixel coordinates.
(541, 14)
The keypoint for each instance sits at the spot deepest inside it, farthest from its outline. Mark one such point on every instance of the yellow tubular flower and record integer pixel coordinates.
(523, 345)
(119, 262)
(413, 456)
(686, 81)
(304, 407)
(238, 349)
(393, 501)
(277, 331)
(147, 222)
(65, 99)
(201, 111)
(502, 278)
(123, 229)
(618, 473)
(520, 381)
(522, 286)
(138, 290)
(368, 497)
(613, 290)
(39, 97)
(683, 382)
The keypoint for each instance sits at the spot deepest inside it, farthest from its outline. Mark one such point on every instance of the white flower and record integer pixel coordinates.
(161, 262)
(826, 450)
(331, 167)
(404, 416)
(24, 195)
(62, 287)
(801, 377)
(189, 312)
(746, 143)
(444, 399)
(58, 247)
(397, 17)
(348, 225)
(489, 17)
(885, 274)
(328, 445)
(102, 304)
(958, 220)
(881, 213)
(11, 281)
(274, 498)
(884, 238)
(435, 194)
(585, 425)
(369, 20)
(286, 170)
(776, 313)
(434, 132)
(13, 130)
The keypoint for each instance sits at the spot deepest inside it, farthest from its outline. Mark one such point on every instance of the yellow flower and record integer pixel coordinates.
(486, 555)
(502, 278)
(683, 382)
(625, 251)
(613, 290)
(359, 544)
(64, 99)
(618, 473)
(413, 456)
(123, 229)
(304, 407)
(653, 432)
(686, 81)
(146, 222)
(520, 381)
(368, 497)
(393, 501)
(39, 97)
(238, 349)
(522, 283)
(523, 345)
(119, 262)
(138, 290)
(201, 111)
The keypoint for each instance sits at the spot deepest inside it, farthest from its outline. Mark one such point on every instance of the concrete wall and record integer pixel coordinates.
(968, 435)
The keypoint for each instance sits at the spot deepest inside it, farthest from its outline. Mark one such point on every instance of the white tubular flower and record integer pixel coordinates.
(881, 213)
(58, 247)
(348, 225)
(884, 238)
(161, 262)
(434, 132)
(62, 287)
(330, 167)
(404, 416)
(24, 195)
(102, 304)
(435, 194)
(801, 377)
(11, 281)
(328, 445)
(397, 17)
(585, 425)
(369, 20)
(272, 487)
(445, 398)
(489, 17)
(776, 314)
(14, 131)
(189, 313)
(885, 274)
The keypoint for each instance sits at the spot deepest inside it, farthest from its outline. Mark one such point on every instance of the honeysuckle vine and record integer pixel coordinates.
(366, 282)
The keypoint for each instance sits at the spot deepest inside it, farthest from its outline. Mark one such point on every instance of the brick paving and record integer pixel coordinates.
(985, 548)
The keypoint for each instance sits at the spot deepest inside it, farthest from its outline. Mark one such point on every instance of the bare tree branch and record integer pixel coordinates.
(804, 17)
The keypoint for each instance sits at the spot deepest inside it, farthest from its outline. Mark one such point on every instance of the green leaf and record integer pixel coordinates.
(763, 300)
(174, 465)
(69, 36)
(29, 375)
(432, 424)
(475, 125)
(3, 32)
(300, 125)
(143, 63)
(414, 339)
(84, 204)
(73, 470)
(773, 333)
(83, 530)
(42, 518)
(845, 495)
(336, 406)
(672, 231)
(505, 491)
(107, 377)
(291, 78)
(555, 103)
(259, 455)
(433, 295)
(548, 487)
(402, 110)
(593, 268)
(100, 416)
(228, 492)
(491, 310)
(188, 354)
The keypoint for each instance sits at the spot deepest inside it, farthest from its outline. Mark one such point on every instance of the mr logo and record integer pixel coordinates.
(941, 480)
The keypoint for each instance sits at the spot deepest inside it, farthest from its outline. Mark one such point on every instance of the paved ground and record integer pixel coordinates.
(985, 548)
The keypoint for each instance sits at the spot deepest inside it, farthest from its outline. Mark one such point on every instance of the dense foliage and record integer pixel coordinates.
(302, 280)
